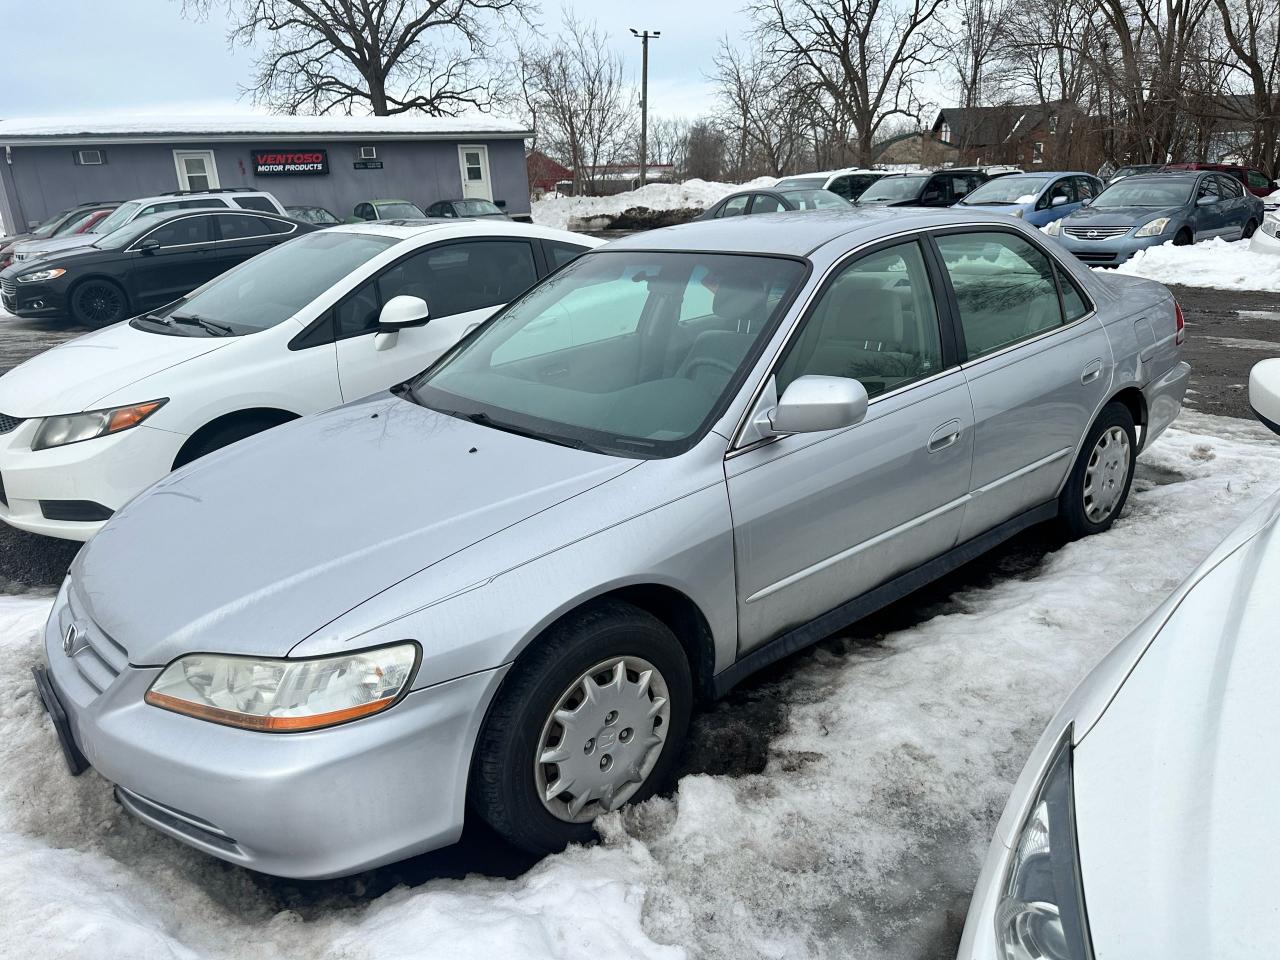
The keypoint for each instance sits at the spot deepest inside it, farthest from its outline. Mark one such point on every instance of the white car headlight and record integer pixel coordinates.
(1154, 228)
(1040, 915)
(285, 696)
(51, 274)
(1054, 229)
(1271, 227)
(74, 427)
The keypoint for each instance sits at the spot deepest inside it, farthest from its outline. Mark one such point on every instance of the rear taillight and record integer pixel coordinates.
(1180, 324)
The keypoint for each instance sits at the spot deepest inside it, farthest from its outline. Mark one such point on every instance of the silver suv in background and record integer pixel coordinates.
(235, 198)
(501, 586)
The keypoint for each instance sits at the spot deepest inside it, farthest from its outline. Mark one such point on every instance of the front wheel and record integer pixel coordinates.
(1099, 483)
(98, 303)
(1184, 238)
(590, 718)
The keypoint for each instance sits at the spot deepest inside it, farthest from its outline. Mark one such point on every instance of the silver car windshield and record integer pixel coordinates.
(1004, 190)
(633, 353)
(816, 199)
(894, 188)
(119, 217)
(1145, 193)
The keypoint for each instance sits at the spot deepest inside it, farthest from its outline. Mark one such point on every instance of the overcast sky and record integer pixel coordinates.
(63, 57)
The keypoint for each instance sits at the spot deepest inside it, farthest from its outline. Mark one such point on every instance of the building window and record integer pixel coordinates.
(196, 170)
(1053, 123)
(946, 133)
(90, 158)
(368, 153)
(1037, 152)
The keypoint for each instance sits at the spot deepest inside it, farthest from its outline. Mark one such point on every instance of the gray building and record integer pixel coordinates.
(47, 165)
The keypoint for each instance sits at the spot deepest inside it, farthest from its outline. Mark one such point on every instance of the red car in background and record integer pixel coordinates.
(1254, 180)
(81, 218)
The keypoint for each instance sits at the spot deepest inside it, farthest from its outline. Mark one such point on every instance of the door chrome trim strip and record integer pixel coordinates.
(1021, 472)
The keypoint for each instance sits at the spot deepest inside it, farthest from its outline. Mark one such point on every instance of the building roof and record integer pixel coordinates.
(153, 128)
(986, 126)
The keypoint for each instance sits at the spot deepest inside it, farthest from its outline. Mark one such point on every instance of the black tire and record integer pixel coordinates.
(503, 787)
(99, 303)
(221, 437)
(1073, 506)
(1184, 238)
(1250, 229)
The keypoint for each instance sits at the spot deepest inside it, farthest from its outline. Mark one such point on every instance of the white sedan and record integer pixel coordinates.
(1144, 824)
(321, 320)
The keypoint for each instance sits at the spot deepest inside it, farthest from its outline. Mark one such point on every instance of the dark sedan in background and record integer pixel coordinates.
(1149, 209)
(942, 188)
(150, 262)
(775, 201)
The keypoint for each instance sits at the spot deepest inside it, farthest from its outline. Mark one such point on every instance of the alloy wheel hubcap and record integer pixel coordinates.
(1105, 476)
(100, 303)
(602, 739)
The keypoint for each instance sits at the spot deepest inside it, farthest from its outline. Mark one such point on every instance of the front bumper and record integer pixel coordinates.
(1264, 243)
(33, 300)
(107, 471)
(308, 805)
(1110, 252)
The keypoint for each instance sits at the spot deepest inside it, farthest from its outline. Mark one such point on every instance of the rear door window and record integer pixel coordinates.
(735, 207)
(244, 227)
(1257, 181)
(255, 203)
(559, 253)
(1004, 288)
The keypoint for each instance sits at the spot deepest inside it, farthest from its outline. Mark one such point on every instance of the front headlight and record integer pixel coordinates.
(1040, 915)
(1019, 212)
(1154, 228)
(74, 427)
(51, 274)
(1271, 227)
(285, 696)
(1054, 229)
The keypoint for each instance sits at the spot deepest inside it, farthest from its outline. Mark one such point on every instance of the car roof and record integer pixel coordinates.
(200, 195)
(449, 228)
(797, 233)
(1167, 175)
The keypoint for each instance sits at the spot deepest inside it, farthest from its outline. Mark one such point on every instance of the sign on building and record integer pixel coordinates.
(276, 163)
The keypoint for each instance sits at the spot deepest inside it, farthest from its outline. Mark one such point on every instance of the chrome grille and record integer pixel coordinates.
(8, 424)
(97, 657)
(1095, 233)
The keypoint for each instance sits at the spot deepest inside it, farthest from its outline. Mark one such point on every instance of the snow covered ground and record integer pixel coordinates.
(1216, 263)
(695, 194)
(861, 837)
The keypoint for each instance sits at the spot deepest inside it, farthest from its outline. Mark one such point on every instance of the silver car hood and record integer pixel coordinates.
(256, 547)
(1176, 784)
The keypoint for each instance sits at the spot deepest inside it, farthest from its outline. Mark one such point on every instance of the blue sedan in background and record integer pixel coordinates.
(1151, 209)
(1038, 198)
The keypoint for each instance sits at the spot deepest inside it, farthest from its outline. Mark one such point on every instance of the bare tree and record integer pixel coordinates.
(760, 105)
(978, 38)
(383, 56)
(704, 157)
(578, 94)
(1252, 31)
(864, 56)
(668, 140)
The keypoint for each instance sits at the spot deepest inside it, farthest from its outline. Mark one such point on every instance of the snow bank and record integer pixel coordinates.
(691, 194)
(1214, 263)
(861, 837)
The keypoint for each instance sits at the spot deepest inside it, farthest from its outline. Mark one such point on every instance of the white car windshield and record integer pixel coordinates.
(630, 352)
(269, 288)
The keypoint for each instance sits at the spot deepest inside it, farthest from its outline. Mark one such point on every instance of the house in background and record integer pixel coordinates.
(47, 165)
(544, 173)
(919, 147)
(1049, 136)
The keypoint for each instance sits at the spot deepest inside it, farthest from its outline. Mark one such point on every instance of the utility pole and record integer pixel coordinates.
(644, 98)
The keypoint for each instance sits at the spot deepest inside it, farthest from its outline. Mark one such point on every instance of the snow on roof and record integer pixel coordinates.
(101, 127)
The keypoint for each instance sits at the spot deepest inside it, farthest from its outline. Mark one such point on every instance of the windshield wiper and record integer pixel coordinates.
(191, 320)
(487, 421)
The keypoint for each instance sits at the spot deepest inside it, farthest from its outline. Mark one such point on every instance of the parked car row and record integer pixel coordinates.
(496, 572)
(471, 207)
(1251, 178)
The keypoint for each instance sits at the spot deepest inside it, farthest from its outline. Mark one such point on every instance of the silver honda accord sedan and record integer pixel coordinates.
(499, 589)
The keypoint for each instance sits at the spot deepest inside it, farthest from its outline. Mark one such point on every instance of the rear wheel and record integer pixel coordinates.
(99, 303)
(1099, 483)
(1249, 229)
(590, 718)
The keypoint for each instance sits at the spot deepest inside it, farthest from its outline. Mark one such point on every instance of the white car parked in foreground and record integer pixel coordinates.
(329, 317)
(1144, 824)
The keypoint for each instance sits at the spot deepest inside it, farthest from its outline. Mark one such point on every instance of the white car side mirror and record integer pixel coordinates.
(1264, 392)
(1059, 201)
(397, 314)
(813, 404)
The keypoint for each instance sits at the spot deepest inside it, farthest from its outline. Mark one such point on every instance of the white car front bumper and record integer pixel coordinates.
(1263, 242)
(106, 471)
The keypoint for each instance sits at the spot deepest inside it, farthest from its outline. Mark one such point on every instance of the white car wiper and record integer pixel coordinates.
(191, 320)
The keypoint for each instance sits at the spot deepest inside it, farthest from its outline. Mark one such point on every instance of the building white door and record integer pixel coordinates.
(474, 163)
(196, 169)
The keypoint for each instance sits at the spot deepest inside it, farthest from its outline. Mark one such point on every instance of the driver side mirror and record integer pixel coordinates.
(1264, 392)
(1059, 201)
(150, 245)
(397, 314)
(1086, 201)
(813, 404)
(1206, 201)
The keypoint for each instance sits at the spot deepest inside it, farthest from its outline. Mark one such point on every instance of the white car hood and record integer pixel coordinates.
(78, 374)
(1176, 785)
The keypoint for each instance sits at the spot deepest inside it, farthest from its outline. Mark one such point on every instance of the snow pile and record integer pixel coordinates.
(861, 837)
(158, 124)
(1216, 263)
(558, 211)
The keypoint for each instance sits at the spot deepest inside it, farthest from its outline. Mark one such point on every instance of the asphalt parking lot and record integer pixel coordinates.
(1228, 332)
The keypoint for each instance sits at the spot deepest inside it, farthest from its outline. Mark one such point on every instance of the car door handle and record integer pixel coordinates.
(944, 436)
(1091, 372)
